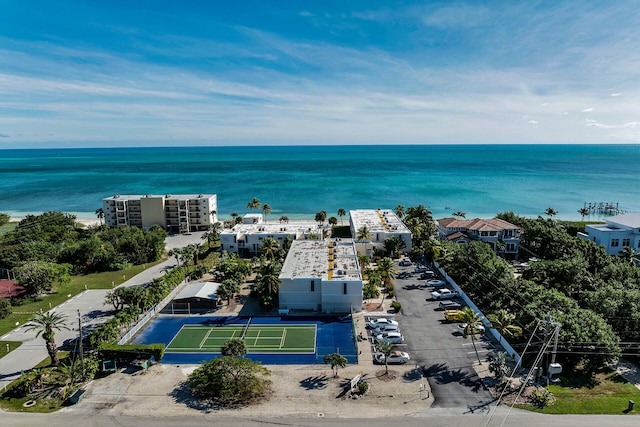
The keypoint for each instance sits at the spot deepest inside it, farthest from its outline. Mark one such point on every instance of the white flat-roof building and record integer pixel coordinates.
(246, 238)
(321, 275)
(175, 212)
(382, 224)
(503, 236)
(618, 232)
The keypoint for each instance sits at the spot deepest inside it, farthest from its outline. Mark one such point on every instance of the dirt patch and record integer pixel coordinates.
(387, 376)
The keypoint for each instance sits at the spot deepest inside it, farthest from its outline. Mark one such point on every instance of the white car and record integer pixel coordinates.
(385, 328)
(390, 337)
(395, 357)
(435, 283)
(375, 323)
(479, 329)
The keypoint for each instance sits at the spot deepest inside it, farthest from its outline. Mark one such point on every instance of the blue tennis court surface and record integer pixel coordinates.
(334, 335)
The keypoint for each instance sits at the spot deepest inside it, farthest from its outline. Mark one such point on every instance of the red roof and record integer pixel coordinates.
(9, 288)
(477, 224)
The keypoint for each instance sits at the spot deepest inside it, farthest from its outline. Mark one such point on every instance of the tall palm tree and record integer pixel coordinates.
(459, 214)
(364, 235)
(399, 210)
(46, 324)
(502, 321)
(385, 348)
(341, 213)
(333, 220)
(266, 210)
(394, 245)
(254, 204)
(387, 270)
(100, 215)
(270, 247)
(583, 212)
(321, 217)
(471, 321)
(284, 219)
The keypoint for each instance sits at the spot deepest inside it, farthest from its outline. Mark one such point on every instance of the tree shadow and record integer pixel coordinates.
(182, 395)
(318, 382)
(97, 314)
(412, 287)
(442, 375)
(412, 375)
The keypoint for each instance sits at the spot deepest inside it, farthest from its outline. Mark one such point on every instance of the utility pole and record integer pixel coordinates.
(547, 366)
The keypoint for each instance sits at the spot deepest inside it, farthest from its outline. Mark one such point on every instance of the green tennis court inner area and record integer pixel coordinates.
(259, 338)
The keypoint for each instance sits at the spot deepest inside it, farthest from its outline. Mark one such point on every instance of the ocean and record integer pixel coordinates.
(480, 180)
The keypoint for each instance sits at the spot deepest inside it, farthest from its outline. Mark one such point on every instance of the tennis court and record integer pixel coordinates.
(258, 339)
(295, 340)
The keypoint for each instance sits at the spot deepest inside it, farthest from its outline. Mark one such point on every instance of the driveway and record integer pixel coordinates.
(435, 345)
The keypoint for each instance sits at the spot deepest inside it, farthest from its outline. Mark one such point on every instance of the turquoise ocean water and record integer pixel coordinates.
(480, 180)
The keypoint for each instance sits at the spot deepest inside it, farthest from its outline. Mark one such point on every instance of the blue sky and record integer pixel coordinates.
(130, 73)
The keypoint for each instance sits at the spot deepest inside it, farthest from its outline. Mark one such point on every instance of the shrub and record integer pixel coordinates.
(542, 397)
(396, 306)
(129, 352)
(363, 387)
(5, 307)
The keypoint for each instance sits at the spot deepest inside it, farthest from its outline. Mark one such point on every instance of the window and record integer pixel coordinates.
(313, 286)
(615, 243)
(344, 288)
(626, 242)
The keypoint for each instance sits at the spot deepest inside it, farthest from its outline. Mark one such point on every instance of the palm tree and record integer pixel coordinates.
(550, 212)
(337, 361)
(629, 255)
(364, 261)
(254, 204)
(394, 245)
(341, 213)
(387, 270)
(266, 210)
(471, 321)
(321, 217)
(100, 215)
(234, 215)
(213, 233)
(385, 348)
(284, 219)
(399, 210)
(46, 324)
(502, 321)
(228, 288)
(333, 220)
(270, 247)
(459, 214)
(363, 235)
(584, 212)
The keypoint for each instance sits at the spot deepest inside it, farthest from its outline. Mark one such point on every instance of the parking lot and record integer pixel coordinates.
(437, 346)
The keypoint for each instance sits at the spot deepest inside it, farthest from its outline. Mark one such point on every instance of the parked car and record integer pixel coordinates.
(386, 328)
(399, 357)
(390, 337)
(381, 321)
(427, 275)
(479, 329)
(449, 305)
(421, 269)
(405, 263)
(453, 315)
(435, 283)
(444, 294)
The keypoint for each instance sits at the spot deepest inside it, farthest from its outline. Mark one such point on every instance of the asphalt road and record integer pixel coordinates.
(435, 345)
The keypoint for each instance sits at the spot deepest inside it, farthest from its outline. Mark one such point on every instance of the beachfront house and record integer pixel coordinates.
(246, 238)
(173, 212)
(503, 236)
(322, 276)
(616, 233)
(381, 224)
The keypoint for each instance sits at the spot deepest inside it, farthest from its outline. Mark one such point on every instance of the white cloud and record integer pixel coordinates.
(533, 122)
(587, 110)
(616, 94)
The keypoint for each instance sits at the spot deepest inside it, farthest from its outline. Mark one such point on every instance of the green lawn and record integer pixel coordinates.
(24, 312)
(610, 394)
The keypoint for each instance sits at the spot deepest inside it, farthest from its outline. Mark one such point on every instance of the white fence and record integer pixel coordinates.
(502, 340)
(149, 314)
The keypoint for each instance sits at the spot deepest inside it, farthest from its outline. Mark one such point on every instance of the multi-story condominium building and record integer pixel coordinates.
(381, 224)
(617, 233)
(503, 236)
(173, 212)
(246, 238)
(321, 275)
